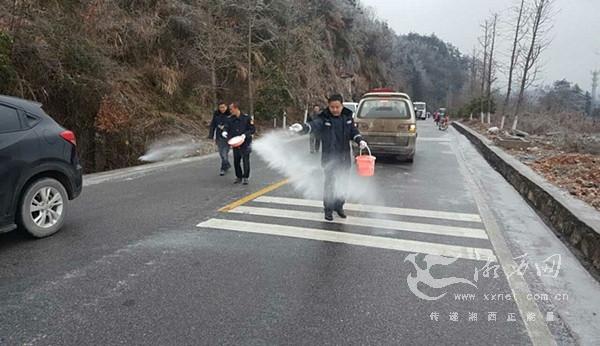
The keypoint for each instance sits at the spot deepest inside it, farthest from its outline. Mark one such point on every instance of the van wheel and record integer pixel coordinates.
(43, 208)
(410, 159)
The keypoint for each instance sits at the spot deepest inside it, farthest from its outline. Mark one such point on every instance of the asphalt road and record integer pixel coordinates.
(147, 258)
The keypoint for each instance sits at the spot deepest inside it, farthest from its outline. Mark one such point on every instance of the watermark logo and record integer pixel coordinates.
(550, 267)
(423, 275)
(490, 316)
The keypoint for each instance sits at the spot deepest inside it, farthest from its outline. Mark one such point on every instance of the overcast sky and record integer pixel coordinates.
(573, 54)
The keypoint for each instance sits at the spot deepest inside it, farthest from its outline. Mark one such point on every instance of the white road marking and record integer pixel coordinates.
(432, 214)
(367, 222)
(432, 139)
(411, 246)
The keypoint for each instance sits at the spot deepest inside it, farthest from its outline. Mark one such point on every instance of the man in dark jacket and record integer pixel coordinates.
(315, 141)
(336, 129)
(240, 125)
(220, 118)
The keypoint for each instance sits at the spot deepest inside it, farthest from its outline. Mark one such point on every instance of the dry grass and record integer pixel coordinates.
(579, 174)
(566, 123)
(568, 132)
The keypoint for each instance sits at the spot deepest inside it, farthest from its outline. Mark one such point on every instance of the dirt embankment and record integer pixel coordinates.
(566, 156)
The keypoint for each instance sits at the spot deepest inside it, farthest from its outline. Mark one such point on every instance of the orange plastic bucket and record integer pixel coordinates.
(365, 164)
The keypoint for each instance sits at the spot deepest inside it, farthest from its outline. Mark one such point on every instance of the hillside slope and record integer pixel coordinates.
(124, 72)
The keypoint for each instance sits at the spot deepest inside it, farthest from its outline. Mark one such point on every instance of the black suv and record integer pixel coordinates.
(39, 169)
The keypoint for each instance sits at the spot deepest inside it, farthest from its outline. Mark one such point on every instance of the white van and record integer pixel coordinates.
(420, 110)
(353, 106)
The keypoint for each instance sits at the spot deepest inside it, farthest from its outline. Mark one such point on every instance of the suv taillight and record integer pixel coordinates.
(69, 136)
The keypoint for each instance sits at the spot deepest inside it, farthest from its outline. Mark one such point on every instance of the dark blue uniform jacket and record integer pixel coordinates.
(218, 124)
(242, 125)
(336, 134)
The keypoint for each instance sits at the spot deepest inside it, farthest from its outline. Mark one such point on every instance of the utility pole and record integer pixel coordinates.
(473, 76)
(595, 75)
(348, 77)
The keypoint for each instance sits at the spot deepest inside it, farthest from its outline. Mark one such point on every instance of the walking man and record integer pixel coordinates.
(240, 125)
(220, 118)
(315, 141)
(336, 129)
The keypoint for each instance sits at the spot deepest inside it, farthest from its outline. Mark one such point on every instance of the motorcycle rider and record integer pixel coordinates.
(444, 121)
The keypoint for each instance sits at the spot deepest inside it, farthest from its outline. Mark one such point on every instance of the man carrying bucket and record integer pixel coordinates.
(336, 129)
(239, 130)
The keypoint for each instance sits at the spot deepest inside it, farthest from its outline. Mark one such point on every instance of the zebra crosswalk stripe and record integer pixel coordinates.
(410, 246)
(432, 214)
(367, 222)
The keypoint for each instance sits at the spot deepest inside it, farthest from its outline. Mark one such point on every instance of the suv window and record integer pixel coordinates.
(31, 120)
(9, 119)
(378, 108)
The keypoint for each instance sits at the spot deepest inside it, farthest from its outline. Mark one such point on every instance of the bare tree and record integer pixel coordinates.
(255, 19)
(491, 78)
(542, 15)
(473, 75)
(293, 45)
(485, 42)
(519, 30)
(215, 44)
(252, 9)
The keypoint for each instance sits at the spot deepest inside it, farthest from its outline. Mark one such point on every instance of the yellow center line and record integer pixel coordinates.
(255, 195)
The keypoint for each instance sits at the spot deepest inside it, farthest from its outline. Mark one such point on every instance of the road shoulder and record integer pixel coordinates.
(527, 234)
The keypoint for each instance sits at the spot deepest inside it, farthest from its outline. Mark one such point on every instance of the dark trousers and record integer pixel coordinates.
(336, 177)
(224, 154)
(315, 143)
(240, 155)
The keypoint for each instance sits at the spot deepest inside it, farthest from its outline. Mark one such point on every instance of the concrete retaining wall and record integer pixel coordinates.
(574, 221)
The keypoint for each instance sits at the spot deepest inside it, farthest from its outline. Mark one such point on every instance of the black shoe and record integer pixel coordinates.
(222, 173)
(237, 181)
(328, 215)
(245, 181)
(341, 213)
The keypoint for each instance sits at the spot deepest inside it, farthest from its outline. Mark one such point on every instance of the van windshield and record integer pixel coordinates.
(394, 109)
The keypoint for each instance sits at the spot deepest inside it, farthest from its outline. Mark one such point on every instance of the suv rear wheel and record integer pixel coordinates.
(43, 208)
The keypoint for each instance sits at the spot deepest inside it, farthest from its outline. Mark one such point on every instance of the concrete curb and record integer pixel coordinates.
(123, 173)
(575, 222)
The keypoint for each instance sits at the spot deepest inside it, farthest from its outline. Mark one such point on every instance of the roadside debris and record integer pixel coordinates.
(494, 130)
(569, 160)
(577, 173)
(519, 133)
